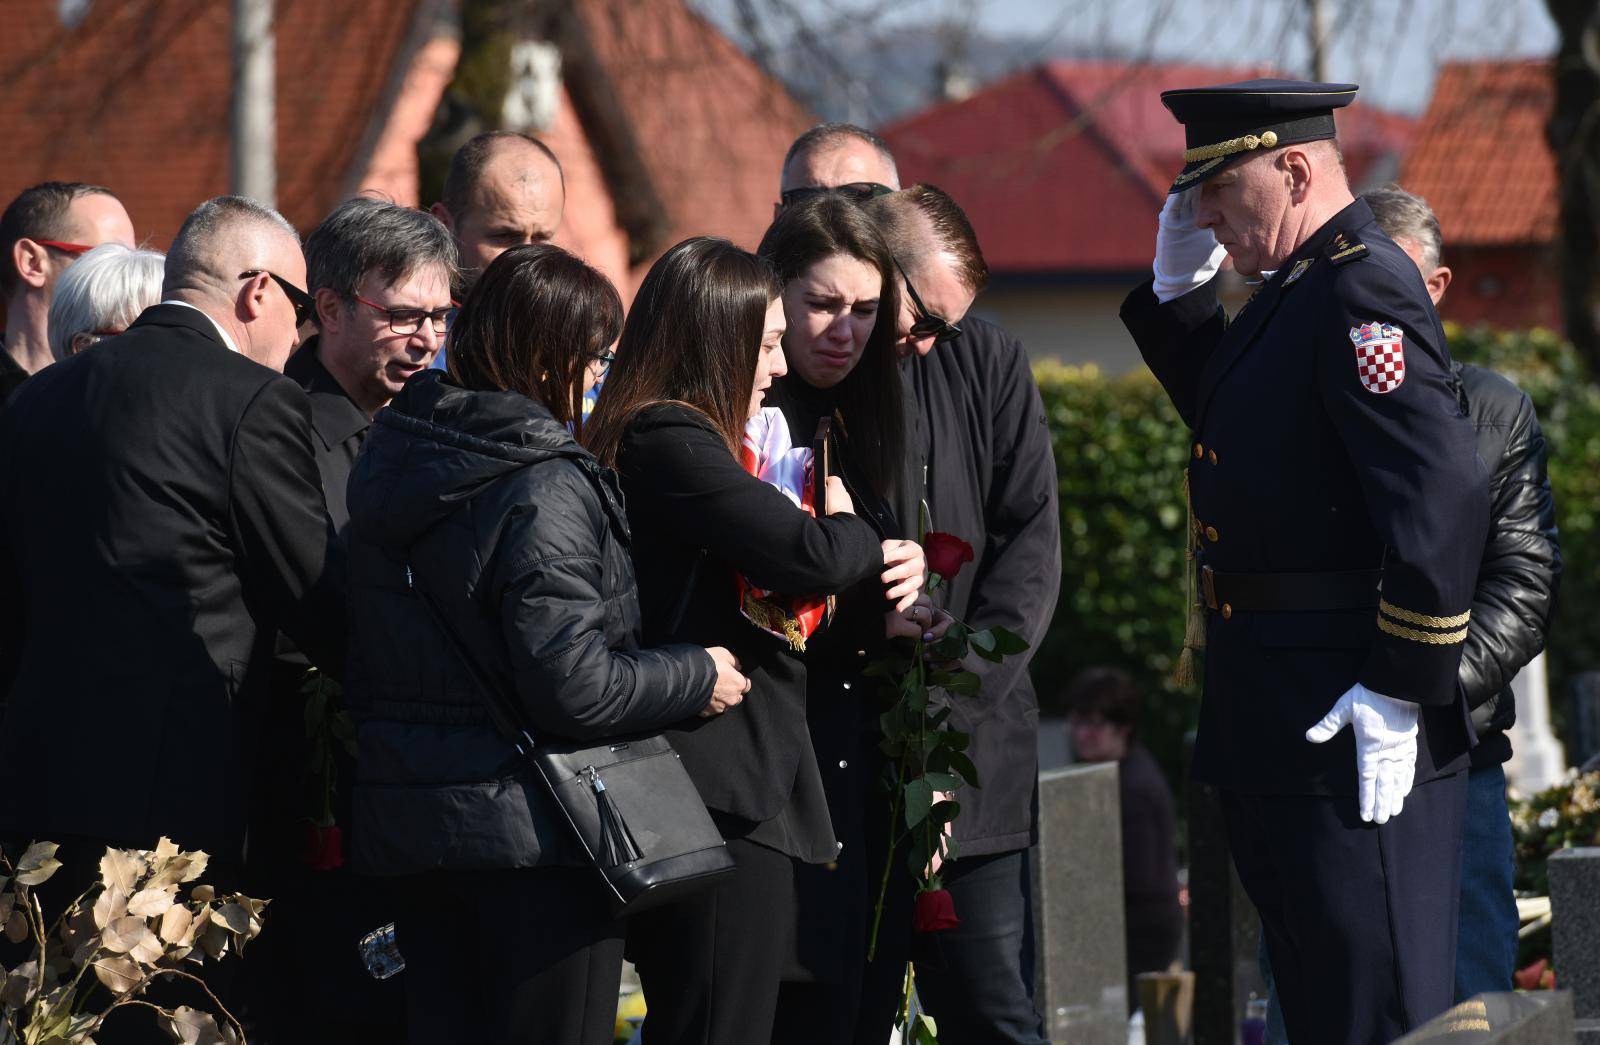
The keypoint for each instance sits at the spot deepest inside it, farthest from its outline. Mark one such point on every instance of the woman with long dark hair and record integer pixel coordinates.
(472, 494)
(724, 556)
(840, 300)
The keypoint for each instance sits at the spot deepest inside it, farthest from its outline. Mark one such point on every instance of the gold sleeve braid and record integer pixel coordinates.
(1387, 609)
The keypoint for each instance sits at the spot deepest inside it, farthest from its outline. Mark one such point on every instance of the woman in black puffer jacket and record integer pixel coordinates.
(472, 488)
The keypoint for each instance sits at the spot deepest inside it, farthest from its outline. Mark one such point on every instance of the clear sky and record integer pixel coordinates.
(1392, 48)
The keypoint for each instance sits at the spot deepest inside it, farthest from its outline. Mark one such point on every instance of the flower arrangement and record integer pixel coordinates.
(927, 760)
(144, 920)
(1560, 817)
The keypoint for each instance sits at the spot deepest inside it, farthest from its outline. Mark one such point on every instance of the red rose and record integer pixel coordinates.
(946, 552)
(935, 910)
(1536, 977)
(322, 848)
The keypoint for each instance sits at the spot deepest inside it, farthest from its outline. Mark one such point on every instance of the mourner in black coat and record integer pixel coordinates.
(481, 499)
(163, 518)
(699, 352)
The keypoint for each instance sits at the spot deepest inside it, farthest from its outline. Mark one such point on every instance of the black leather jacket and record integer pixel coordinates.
(1521, 570)
(519, 536)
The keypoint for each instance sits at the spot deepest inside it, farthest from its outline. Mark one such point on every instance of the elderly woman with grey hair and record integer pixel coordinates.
(101, 295)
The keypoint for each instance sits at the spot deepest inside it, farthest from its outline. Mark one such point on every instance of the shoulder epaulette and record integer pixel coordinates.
(1344, 249)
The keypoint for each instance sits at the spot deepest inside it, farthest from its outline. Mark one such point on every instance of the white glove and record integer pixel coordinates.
(1186, 256)
(1386, 747)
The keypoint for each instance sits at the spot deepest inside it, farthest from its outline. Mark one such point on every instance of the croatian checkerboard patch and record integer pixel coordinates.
(1380, 356)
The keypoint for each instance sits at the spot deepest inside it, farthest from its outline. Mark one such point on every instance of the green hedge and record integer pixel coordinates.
(1120, 451)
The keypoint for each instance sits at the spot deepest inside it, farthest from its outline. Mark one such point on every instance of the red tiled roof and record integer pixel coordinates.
(1063, 168)
(136, 98)
(1480, 156)
(711, 127)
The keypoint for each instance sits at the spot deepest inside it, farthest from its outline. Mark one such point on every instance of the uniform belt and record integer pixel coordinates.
(1280, 592)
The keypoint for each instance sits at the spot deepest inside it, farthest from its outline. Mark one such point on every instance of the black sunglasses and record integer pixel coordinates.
(856, 192)
(925, 323)
(304, 304)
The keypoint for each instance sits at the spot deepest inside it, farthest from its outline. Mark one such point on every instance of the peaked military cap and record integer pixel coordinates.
(1230, 121)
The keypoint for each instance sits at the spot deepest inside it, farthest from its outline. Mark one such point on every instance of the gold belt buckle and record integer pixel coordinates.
(1208, 587)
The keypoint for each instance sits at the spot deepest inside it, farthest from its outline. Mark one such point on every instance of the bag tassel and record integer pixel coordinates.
(1194, 631)
(618, 846)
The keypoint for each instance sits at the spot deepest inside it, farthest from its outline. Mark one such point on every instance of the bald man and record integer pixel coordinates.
(504, 189)
(160, 519)
(43, 231)
(840, 157)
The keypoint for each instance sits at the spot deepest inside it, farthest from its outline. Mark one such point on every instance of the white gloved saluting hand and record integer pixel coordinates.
(1386, 748)
(1186, 256)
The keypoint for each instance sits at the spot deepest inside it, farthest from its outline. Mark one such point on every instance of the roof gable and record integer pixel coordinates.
(136, 97)
(1480, 156)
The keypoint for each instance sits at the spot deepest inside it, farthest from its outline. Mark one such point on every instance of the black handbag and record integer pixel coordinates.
(629, 800)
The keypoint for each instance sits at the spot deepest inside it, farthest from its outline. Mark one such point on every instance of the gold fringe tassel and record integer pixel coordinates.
(1194, 632)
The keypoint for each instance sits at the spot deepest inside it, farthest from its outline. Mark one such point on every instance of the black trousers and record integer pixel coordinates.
(527, 956)
(1359, 919)
(976, 980)
(710, 965)
(833, 993)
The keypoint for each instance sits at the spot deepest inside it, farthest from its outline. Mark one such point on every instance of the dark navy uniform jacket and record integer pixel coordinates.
(1326, 438)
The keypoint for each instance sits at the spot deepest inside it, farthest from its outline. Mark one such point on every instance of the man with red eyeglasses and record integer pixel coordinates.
(43, 231)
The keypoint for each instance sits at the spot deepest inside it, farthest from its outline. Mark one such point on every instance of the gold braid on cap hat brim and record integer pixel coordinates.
(1265, 140)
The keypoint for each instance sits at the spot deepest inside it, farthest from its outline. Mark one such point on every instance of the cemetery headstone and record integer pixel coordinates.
(1080, 966)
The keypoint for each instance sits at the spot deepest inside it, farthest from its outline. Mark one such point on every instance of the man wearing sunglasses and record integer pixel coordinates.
(161, 518)
(991, 480)
(836, 157)
(44, 230)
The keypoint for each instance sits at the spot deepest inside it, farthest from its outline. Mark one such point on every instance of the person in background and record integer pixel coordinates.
(504, 189)
(1512, 606)
(836, 157)
(42, 232)
(101, 296)
(1103, 726)
(701, 348)
(472, 494)
(840, 305)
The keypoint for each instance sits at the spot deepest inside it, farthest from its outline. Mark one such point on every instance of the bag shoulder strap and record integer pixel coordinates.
(501, 708)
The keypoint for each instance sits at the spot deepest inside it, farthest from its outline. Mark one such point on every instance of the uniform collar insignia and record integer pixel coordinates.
(1298, 270)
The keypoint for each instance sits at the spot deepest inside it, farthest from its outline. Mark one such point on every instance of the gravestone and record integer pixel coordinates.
(1537, 758)
(1224, 931)
(1532, 1018)
(1080, 968)
(1575, 931)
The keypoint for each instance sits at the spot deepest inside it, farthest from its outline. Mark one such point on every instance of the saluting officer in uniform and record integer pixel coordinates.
(1339, 515)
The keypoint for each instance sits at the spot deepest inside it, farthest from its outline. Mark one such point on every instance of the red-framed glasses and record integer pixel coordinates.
(65, 248)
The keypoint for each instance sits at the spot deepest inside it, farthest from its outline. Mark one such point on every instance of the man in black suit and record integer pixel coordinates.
(160, 519)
